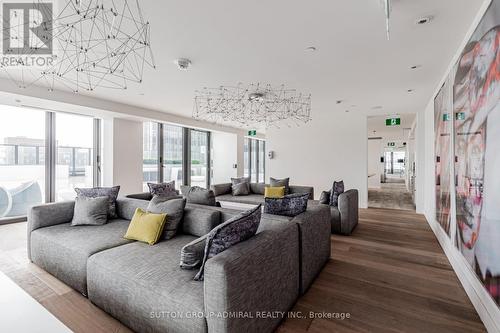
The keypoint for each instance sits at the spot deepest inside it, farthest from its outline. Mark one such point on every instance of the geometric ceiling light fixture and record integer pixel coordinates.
(252, 105)
(95, 44)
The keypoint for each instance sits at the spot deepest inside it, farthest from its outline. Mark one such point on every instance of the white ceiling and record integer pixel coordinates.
(232, 41)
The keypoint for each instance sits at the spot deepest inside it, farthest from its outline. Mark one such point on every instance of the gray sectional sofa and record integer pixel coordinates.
(344, 218)
(144, 287)
(256, 196)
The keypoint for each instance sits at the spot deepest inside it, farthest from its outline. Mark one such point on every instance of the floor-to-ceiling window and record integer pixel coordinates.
(43, 157)
(173, 149)
(74, 161)
(199, 158)
(183, 155)
(150, 154)
(22, 160)
(254, 160)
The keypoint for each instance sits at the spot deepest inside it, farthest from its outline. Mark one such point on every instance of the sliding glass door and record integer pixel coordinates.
(74, 161)
(254, 160)
(172, 157)
(22, 160)
(175, 153)
(43, 157)
(199, 158)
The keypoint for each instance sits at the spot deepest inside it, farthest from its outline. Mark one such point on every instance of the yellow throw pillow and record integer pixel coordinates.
(274, 192)
(146, 227)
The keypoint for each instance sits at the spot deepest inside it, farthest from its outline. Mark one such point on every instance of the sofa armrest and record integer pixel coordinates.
(47, 215)
(141, 196)
(315, 244)
(302, 189)
(220, 189)
(252, 277)
(348, 207)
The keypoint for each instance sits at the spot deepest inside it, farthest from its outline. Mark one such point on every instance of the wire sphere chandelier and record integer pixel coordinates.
(252, 105)
(96, 44)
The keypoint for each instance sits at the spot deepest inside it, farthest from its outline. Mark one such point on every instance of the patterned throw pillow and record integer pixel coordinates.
(110, 192)
(290, 205)
(240, 180)
(198, 195)
(240, 189)
(235, 230)
(173, 207)
(273, 182)
(163, 189)
(337, 189)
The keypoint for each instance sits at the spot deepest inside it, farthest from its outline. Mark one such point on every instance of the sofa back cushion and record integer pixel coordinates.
(125, 207)
(198, 195)
(90, 211)
(257, 188)
(199, 221)
(290, 205)
(221, 189)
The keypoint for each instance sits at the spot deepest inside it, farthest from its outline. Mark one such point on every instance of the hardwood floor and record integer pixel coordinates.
(389, 276)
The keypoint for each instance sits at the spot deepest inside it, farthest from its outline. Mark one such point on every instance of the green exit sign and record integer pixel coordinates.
(446, 117)
(252, 133)
(393, 121)
(391, 144)
(460, 115)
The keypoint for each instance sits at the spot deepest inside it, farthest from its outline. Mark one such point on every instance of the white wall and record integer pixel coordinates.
(122, 150)
(375, 167)
(333, 146)
(225, 155)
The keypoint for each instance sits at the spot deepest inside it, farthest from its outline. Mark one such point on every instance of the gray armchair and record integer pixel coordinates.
(344, 217)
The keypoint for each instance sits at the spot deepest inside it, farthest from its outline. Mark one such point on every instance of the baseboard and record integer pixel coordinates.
(486, 308)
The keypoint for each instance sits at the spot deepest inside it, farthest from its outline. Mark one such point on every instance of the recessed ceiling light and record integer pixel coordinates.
(182, 63)
(410, 90)
(311, 49)
(347, 111)
(424, 20)
(18, 101)
(415, 66)
(339, 101)
(141, 94)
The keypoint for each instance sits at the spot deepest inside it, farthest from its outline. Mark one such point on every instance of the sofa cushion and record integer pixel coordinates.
(220, 189)
(199, 221)
(257, 188)
(173, 207)
(252, 199)
(94, 192)
(238, 229)
(90, 211)
(273, 182)
(198, 195)
(63, 250)
(144, 287)
(240, 180)
(274, 192)
(290, 205)
(240, 189)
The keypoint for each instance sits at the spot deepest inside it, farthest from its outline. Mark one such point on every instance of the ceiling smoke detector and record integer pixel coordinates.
(183, 64)
(424, 20)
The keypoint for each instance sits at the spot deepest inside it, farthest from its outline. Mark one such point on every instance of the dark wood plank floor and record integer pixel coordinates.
(389, 276)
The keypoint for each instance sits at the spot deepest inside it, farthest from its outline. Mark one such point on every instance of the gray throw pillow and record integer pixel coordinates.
(164, 189)
(110, 192)
(289, 205)
(240, 189)
(173, 207)
(337, 189)
(235, 230)
(198, 195)
(325, 198)
(280, 182)
(240, 180)
(192, 253)
(90, 211)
